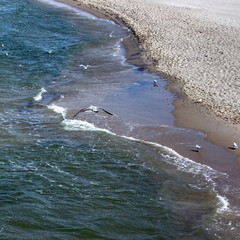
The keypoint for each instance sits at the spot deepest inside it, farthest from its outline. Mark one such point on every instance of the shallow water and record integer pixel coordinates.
(87, 177)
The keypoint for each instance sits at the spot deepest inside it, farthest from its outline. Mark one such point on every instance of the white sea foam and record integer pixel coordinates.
(223, 204)
(120, 52)
(78, 125)
(38, 97)
(58, 109)
(68, 7)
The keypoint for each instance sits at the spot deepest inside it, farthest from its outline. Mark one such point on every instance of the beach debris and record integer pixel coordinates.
(84, 66)
(92, 109)
(234, 146)
(198, 148)
(155, 83)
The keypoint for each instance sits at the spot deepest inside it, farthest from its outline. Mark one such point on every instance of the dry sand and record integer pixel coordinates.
(195, 42)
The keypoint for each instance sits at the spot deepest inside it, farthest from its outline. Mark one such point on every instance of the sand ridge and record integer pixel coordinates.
(200, 47)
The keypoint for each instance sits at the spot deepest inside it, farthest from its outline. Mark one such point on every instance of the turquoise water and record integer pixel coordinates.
(64, 178)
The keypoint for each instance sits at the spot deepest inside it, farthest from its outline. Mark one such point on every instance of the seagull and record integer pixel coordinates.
(2, 45)
(111, 34)
(93, 109)
(49, 52)
(235, 146)
(199, 100)
(198, 148)
(84, 66)
(6, 54)
(155, 83)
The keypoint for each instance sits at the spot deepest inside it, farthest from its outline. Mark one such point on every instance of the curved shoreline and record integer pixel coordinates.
(213, 156)
(215, 120)
(199, 49)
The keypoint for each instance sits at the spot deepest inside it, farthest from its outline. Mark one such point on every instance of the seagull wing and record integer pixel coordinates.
(106, 111)
(82, 110)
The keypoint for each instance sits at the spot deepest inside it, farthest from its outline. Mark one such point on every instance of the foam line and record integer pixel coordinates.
(171, 156)
(182, 163)
(38, 97)
(58, 109)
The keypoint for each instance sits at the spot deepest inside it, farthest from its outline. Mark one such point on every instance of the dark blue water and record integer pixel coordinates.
(81, 178)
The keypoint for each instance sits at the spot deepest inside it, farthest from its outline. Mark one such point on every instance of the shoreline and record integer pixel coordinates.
(216, 154)
(217, 130)
(196, 46)
(185, 132)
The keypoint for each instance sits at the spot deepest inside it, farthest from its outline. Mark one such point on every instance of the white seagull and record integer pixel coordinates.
(93, 109)
(155, 83)
(199, 100)
(235, 146)
(111, 34)
(198, 148)
(84, 66)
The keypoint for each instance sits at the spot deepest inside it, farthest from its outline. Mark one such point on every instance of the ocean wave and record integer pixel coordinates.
(170, 156)
(38, 97)
(58, 109)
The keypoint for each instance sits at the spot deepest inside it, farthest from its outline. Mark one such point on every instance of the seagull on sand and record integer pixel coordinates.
(92, 109)
(199, 100)
(198, 148)
(155, 83)
(235, 146)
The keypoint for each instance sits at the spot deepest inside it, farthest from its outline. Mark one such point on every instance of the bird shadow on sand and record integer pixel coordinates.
(232, 148)
(195, 150)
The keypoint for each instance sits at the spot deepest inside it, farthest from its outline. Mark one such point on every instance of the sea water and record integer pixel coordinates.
(85, 177)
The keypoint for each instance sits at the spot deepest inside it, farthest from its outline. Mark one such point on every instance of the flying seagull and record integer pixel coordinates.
(84, 66)
(93, 109)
